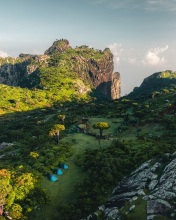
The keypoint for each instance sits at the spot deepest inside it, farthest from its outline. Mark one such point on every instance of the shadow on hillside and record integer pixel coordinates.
(146, 90)
(103, 91)
(17, 126)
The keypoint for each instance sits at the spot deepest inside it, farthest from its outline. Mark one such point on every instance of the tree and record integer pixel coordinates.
(55, 130)
(101, 126)
(62, 117)
(5, 188)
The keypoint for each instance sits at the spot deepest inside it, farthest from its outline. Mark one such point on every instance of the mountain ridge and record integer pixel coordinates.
(156, 82)
(93, 67)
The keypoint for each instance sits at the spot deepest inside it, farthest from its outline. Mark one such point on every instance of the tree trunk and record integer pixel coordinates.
(101, 132)
(58, 137)
(1, 210)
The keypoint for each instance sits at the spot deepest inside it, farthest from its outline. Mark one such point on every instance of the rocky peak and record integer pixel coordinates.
(59, 46)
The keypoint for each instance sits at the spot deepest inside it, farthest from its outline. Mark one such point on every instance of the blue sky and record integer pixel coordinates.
(140, 33)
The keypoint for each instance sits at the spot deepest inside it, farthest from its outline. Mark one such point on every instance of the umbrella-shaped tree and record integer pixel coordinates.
(56, 130)
(101, 126)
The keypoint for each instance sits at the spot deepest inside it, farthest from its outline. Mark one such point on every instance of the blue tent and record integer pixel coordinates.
(58, 171)
(63, 166)
(53, 178)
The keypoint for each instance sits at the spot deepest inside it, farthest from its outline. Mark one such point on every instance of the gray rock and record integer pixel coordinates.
(152, 197)
(4, 145)
(134, 198)
(174, 154)
(158, 206)
(142, 167)
(101, 208)
(170, 166)
(141, 192)
(131, 208)
(113, 214)
(124, 195)
(163, 194)
(154, 177)
(155, 167)
(172, 215)
(161, 189)
(151, 217)
(152, 184)
(146, 198)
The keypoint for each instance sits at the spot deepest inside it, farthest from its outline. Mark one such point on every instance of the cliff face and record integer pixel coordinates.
(94, 67)
(100, 73)
(116, 86)
(12, 70)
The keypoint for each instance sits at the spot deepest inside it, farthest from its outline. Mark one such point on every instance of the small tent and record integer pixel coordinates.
(58, 171)
(63, 166)
(53, 178)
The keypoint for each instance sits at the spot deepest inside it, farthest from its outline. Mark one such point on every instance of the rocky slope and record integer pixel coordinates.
(93, 67)
(147, 193)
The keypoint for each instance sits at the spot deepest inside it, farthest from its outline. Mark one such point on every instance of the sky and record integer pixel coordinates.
(140, 33)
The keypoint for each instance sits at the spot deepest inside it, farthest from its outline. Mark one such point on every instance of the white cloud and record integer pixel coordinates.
(133, 60)
(3, 54)
(153, 56)
(161, 5)
(116, 50)
(147, 5)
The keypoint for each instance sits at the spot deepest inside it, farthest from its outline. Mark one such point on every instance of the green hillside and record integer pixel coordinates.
(139, 130)
(52, 117)
(158, 82)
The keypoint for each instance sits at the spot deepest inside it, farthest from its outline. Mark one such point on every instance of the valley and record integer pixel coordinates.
(101, 136)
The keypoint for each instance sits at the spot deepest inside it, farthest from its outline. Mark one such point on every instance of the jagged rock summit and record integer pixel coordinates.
(150, 188)
(93, 67)
(59, 46)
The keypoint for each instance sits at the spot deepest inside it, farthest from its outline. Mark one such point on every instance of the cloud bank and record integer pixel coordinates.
(153, 56)
(145, 5)
(116, 49)
(3, 54)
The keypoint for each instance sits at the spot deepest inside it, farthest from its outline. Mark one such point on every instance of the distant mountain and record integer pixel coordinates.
(83, 68)
(155, 83)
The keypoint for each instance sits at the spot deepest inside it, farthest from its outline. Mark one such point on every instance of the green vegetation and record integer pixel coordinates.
(136, 133)
(157, 84)
(101, 126)
(55, 130)
(55, 98)
(139, 212)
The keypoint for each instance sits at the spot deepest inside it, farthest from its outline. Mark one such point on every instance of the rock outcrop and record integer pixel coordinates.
(115, 86)
(59, 46)
(93, 67)
(153, 183)
(12, 70)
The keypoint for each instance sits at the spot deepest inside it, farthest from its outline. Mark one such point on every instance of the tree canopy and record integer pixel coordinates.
(101, 126)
